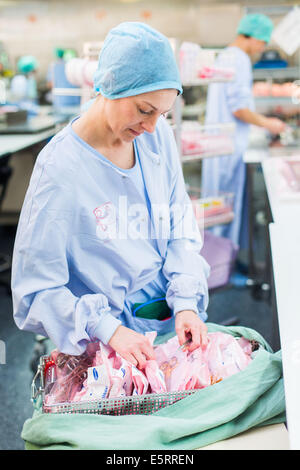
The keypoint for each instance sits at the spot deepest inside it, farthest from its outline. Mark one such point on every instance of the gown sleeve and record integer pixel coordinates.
(42, 302)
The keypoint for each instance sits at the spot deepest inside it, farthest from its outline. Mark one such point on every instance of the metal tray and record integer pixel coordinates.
(130, 405)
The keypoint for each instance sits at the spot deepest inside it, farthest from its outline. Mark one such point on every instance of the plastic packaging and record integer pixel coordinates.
(100, 373)
(212, 210)
(207, 140)
(49, 376)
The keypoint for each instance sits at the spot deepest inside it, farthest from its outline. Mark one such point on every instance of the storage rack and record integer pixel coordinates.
(180, 112)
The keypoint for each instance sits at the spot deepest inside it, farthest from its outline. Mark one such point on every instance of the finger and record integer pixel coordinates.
(141, 359)
(148, 351)
(130, 358)
(181, 335)
(196, 338)
(180, 332)
(204, 336)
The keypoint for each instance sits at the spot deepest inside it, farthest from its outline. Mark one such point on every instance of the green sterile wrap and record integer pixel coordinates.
(250, 398)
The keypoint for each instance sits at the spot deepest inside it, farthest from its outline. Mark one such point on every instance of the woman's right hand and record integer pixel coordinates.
(275, 125)
(132, 346)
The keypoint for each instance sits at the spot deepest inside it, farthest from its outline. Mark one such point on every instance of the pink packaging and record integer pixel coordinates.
(155, 377)
(122, 378)
(225, 356)
(221, 358)
(102, 373)
(140, 382)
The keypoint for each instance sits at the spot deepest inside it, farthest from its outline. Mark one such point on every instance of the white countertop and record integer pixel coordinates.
(285, 244)
(285, 249)
(11, 143)
(260, 154)
(285, 207)
(271, 437)
(16, 142)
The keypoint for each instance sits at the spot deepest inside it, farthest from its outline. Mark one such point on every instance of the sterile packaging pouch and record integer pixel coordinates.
(140, 382)
(71, 372)
(155, 377)
(225, 356)
(118, 382)
(98, 382)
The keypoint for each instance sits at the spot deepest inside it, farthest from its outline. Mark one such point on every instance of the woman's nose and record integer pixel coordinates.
(150, 123)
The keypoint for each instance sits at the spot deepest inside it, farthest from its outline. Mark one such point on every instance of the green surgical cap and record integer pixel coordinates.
(257, 26)
(135, 59)
(27, 64)
(59, 52)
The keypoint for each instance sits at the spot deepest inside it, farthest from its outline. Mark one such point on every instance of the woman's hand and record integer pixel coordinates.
(275, 125)
(132, 346)
(189, 326)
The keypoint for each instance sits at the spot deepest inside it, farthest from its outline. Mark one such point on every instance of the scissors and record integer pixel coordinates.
(188, 341)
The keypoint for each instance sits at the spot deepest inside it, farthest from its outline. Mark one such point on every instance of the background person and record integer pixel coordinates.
(233, 102)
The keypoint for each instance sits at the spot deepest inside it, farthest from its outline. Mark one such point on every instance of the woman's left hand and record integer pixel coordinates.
(189, 326)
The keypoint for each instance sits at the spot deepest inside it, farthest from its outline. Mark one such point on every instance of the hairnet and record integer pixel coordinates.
(257, 26)
(27, 64)
(135, 59)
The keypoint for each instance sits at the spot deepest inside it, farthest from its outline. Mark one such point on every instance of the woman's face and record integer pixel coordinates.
(256, 46)
(129, 117)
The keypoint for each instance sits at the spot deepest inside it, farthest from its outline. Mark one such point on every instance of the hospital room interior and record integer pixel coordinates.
(74, 300)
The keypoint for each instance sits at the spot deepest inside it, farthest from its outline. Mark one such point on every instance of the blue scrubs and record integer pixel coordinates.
(83, 255)
(228, 173)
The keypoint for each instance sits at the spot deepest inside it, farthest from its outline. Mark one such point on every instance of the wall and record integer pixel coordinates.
(36, 27)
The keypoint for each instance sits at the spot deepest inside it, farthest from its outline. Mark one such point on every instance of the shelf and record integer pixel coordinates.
(277, 74)
(67, 91)
(200, 141)
(217, 220)
(211, 211)
(206, 81)
(206, 141)
(194, 158)
(275, 100)
(193, 110)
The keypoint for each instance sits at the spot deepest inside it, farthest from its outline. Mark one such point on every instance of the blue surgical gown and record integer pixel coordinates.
(228, 173)
(73, 279)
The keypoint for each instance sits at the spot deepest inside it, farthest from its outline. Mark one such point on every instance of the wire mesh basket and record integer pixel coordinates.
(129, 405)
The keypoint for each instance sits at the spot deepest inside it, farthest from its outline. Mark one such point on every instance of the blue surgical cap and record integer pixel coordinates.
(135, 59)
(257, 26)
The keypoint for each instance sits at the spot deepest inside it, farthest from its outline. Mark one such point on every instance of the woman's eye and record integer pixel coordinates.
(144, 112)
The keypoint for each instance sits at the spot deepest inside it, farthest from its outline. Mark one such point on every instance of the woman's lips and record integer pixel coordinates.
(135, 133)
